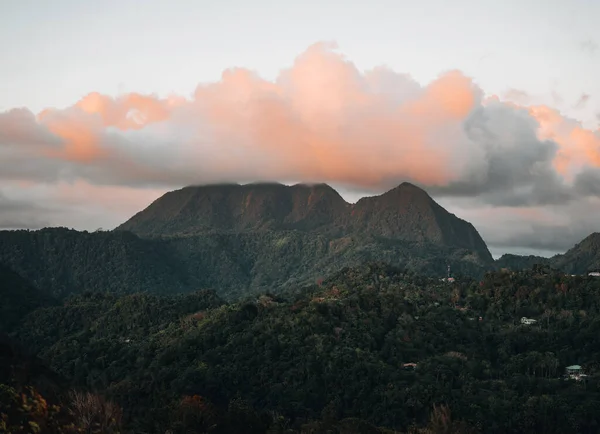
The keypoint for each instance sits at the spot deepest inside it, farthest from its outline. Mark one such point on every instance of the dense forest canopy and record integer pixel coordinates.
(369, 349)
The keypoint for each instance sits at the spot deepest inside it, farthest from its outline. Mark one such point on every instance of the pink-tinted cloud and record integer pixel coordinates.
(321, 120)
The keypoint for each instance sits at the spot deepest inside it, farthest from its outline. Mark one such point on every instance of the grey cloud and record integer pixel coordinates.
(555, 238)
(553, 229)
(19, 127)
(517, 167)
(588, 182)
(21, 214)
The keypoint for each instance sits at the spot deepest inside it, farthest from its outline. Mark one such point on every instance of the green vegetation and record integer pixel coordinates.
(212, 316)
(336, 357)
(242, 240)
(63, 261)
(19, 298)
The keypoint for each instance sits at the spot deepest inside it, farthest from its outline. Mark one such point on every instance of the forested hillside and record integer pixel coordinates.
(62, 261)
(17, 298)
(372, 346)
(406, 213)
(243, 240)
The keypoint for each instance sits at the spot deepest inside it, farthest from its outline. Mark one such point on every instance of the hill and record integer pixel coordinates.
(405, 213)
(64, 261)
(581, 259)
(240, 240)
(17, 298)
(371, 346)
(35, 399)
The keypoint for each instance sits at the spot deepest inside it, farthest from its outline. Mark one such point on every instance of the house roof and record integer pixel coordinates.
(574, 367)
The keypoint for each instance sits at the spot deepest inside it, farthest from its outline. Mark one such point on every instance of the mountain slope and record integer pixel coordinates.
(17, 298)
(239, 240)
(233, 207)
(64, 261)
(582, 258)
(405, 213)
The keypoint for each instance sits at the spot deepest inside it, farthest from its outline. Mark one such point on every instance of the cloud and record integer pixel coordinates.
(517, 95)
(320, 120)
(544, 230)
(19, 214)
(587, 183)
(75, 205)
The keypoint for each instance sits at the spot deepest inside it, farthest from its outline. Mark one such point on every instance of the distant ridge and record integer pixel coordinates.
(405, 213)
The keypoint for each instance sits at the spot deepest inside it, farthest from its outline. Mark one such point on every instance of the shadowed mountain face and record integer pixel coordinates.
(405, 213)
(226, 207)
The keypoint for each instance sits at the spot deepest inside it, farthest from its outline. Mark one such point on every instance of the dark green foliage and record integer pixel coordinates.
(517, 262)
(331, 357)
(64, 261)
(17, 298)
(234, 264)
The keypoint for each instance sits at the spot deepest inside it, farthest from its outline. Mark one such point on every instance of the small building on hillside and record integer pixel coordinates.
(574, 372)
(594, 274)
(528, 321)
(410, 366)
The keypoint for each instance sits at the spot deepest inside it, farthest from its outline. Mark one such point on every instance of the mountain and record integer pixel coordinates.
(582, 258)
(18, 298)
(234, 207)
(243, 239)
(518, 262)
(404, 213)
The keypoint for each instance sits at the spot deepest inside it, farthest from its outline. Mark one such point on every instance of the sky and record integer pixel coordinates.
(492, 107)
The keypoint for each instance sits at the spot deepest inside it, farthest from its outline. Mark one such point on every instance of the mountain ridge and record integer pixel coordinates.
(405, 212)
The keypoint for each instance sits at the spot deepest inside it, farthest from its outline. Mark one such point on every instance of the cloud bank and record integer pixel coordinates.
(321, 120)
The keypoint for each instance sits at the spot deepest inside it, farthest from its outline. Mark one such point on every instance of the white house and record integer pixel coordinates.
(528, 321)
(594, 274)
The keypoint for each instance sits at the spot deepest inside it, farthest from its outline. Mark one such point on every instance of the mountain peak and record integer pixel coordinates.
(408, 185)
(407, 191)
(405, 213)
